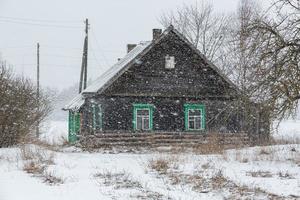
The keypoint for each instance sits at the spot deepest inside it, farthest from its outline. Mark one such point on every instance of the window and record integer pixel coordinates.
(142, 117)
(97, 117)
(194, 117)
(170, 62)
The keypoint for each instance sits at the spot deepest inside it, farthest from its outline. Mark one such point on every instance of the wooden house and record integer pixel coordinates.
(161, 86)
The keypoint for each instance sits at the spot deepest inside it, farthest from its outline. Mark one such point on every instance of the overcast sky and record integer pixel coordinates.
(114, 23)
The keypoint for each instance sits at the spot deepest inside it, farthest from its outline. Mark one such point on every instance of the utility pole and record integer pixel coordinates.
(84, 63)
(38, 88)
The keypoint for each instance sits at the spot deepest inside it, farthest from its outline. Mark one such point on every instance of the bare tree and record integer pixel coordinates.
(19, 108)
(203, 28)
(274, 38)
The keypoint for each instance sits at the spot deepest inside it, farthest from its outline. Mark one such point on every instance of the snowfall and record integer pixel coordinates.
(67, 172)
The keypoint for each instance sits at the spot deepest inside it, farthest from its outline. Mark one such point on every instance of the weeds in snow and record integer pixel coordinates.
(118, 180)
(36, 161)
(163, 164)
(52, 179)
(34, 167)
(263, 174)
(285, 175)
(264, 151)
(124, 180)
(37, 154)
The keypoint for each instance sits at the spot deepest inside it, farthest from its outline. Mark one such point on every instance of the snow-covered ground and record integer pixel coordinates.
(249, 173)
(273, 170)
(288, 129)
(54, 132)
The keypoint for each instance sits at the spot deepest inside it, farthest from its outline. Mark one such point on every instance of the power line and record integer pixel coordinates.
(17, 47)
(39, 20)
(98, 45)
(51, 65)
(38, 24)
(46, 46)
(95, 57)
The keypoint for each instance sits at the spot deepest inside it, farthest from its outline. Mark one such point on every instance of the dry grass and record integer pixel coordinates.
(124, 180)
(205, 166)
(283, 140)
(263, 174)
(161, 165)
(218, 180)
(285, 175)
(119, 180)
(52, 179)
(36, 161)
(146, 195)
(34, 167)
(37, 154)
(209, 179)
(213, 145)
(264, 151)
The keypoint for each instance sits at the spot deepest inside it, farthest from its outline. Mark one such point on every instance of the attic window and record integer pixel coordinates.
(170, 62)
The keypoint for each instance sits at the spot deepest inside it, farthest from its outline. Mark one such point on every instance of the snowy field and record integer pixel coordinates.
(41, 172)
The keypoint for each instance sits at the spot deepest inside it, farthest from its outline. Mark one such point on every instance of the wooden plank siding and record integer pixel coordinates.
(193, 81)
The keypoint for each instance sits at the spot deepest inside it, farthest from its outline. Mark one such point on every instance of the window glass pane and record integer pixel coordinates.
(139, 123)
(99, 118)
(146, 124)
(191, 125)
(197, 122)
(194, 112)
(142, 112)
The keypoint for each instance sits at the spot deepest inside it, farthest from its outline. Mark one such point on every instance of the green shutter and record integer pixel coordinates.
(70, 122)
(77, 122)
(74, 126)
(187, 107)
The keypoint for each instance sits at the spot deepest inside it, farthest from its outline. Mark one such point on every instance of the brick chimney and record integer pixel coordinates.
(156, 33)
(130, 47)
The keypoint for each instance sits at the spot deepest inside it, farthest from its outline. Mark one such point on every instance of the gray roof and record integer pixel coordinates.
(75, 103)
(102, 82)
(103, 79)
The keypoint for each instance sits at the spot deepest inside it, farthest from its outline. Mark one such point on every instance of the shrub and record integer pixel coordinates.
(20, 109)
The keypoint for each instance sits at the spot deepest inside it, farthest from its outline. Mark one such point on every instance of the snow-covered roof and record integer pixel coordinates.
(75, 103)
(103, 79)
(100, 82)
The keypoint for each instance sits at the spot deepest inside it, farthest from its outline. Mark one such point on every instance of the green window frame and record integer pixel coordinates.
(188, 118)
(74, 126)
(97, 117)
(143, 107)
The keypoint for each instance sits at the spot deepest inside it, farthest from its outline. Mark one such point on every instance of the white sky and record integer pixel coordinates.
(114, 23)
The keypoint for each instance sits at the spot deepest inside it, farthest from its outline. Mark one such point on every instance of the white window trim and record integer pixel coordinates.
(143, 117)
(201, 115)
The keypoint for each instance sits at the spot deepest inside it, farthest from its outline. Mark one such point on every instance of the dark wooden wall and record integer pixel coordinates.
(168, 114)
(147, 81)
(191, 77)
